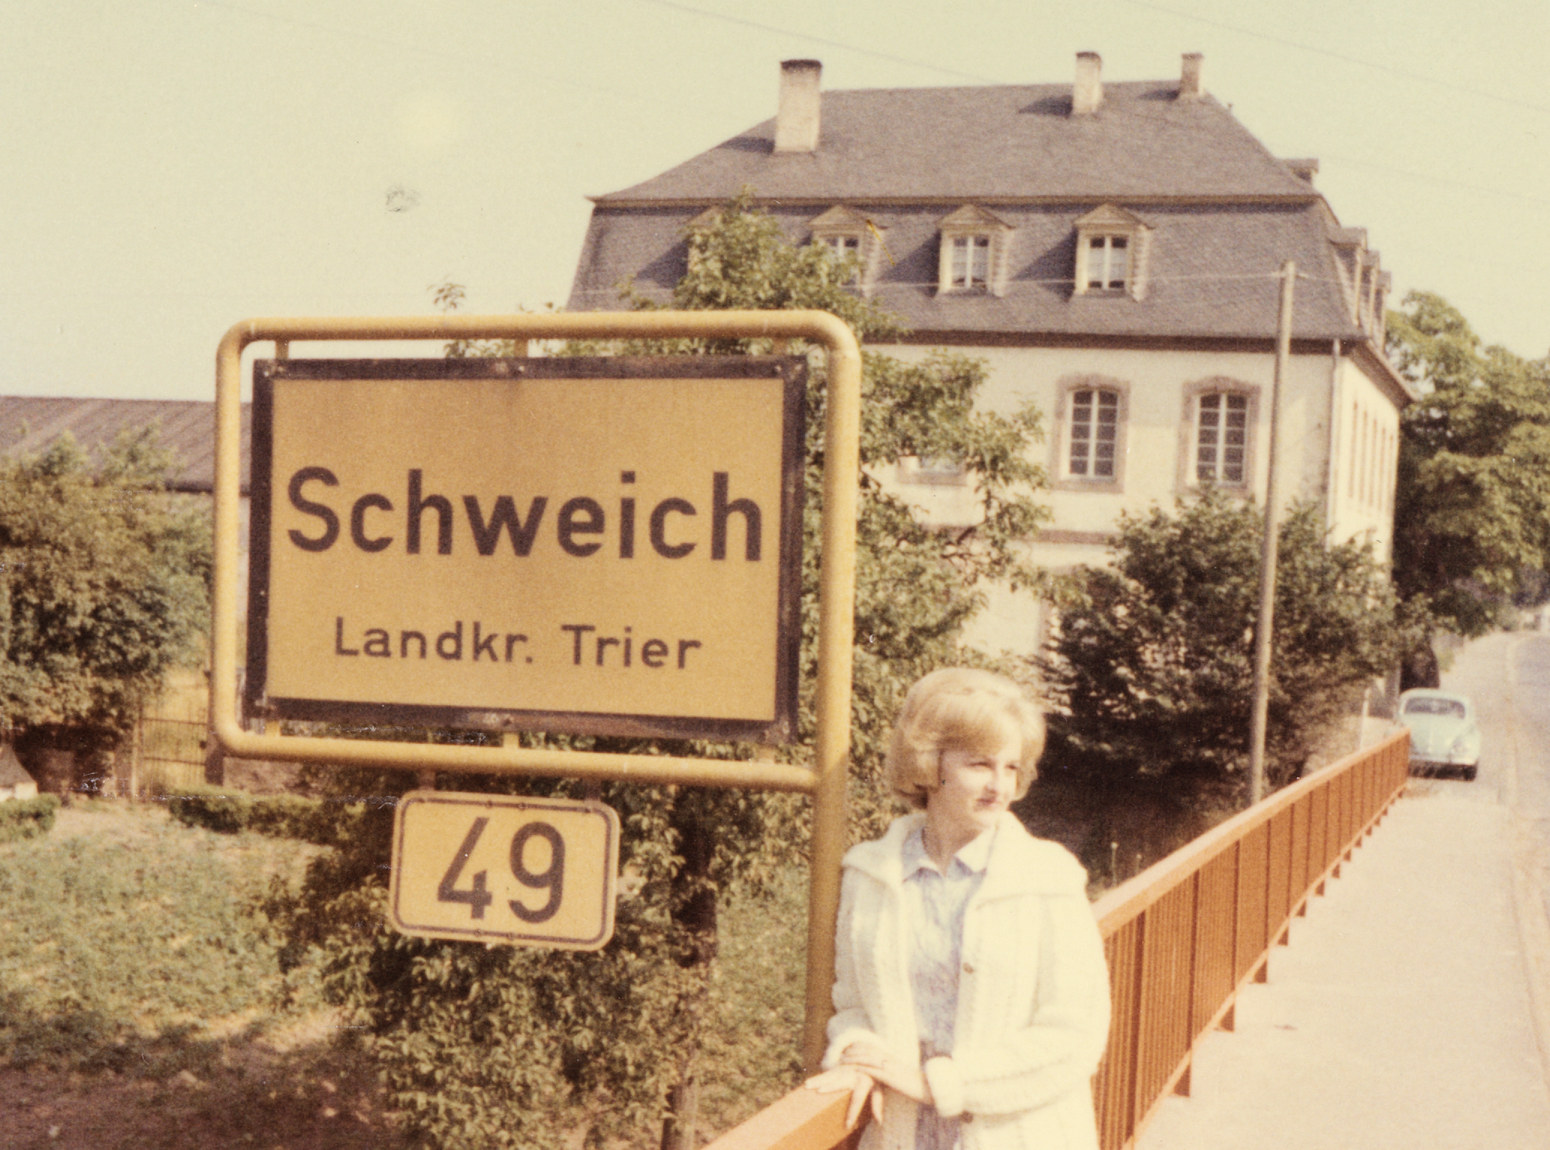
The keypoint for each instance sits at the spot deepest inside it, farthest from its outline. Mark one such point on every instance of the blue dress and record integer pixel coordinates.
(934, 906)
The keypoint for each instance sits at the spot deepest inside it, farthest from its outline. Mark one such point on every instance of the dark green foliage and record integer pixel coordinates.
(1152, 668)
(1472, 511)
(104, 585)
(502, 1046)
(506, 1048)
(27, 818)
(325, 822)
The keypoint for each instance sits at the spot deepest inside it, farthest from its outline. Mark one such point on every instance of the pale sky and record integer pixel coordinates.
(169, 167)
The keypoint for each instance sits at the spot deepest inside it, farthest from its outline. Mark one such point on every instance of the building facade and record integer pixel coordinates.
(1112, 251)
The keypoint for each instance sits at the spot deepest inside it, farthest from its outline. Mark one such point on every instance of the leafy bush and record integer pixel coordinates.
(1152, 666)
(25, 818)
(324, 822)
(104, 586)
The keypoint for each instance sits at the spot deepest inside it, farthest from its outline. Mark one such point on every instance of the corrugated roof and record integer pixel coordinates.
(28, 424)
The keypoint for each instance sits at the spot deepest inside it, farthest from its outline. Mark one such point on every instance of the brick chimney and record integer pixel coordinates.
(1087, 94)
(796, 116)
(1303, 169)
(1191, 84)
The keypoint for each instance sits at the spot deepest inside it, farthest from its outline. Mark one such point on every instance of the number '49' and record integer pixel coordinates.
(478, 896)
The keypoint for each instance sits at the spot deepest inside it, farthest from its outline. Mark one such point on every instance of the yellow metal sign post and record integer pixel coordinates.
(529, 876)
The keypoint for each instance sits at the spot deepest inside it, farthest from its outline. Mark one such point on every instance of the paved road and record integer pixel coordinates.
(1403, 1014)
(1508, 676)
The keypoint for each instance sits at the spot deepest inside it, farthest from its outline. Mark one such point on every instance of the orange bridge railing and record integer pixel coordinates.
(1183, 937)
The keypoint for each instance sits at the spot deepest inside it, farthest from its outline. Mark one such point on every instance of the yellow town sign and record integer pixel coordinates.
(585, 545)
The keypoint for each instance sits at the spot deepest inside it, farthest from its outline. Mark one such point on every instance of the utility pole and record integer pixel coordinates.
(1267, 564)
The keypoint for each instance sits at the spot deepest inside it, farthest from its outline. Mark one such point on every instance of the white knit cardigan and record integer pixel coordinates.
(1033, 995)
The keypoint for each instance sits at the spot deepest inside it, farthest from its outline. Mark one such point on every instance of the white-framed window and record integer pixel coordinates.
(842, 245)
(968, 262)
(846, 246)
(1093, 439)
(1087, 444)
(933, 471)
(848, 233)
(1112, 246)
(975, 252)
(1106, 266)
(1221, 448)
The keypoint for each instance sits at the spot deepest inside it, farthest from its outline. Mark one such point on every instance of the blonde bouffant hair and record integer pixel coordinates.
(960, 708)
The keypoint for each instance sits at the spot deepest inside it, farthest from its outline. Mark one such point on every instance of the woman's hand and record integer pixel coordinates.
(907, 1077)
(860, 1085)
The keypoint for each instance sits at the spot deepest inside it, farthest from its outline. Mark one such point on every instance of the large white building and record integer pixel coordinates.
(1111, 250)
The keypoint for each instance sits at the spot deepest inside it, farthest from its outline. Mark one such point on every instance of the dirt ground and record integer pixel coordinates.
(264, 1101)
(293, 1089)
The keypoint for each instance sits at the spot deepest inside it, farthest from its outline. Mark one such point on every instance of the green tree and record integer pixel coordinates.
(481, 1047)
(1472, 509)
(104, 586)
(1152, 667)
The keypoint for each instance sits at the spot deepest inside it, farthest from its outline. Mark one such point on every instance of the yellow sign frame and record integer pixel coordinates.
(824, 780)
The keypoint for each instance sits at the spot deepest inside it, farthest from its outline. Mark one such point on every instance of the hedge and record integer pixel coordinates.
(24, 818)
(326, 823)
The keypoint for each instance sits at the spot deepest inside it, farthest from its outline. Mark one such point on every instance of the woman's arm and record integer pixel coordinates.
(850, 1029)
(851, 1023)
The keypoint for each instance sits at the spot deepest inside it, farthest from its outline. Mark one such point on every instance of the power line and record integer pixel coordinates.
(1440, 181)
(1069, 281)
(508, 66)
(828, 43)
(1329, 53)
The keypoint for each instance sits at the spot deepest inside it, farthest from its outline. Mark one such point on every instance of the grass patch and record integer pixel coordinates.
(132, 945)
(752, 1053)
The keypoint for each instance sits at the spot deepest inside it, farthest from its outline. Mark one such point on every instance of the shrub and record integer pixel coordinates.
(326, 823)
(1152, 666)
(25, 818)
(104, 589)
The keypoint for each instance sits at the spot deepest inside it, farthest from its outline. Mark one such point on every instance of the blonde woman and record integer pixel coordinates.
(971, 995)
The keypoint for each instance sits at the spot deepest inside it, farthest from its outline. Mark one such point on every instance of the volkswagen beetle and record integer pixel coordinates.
(1443, 733)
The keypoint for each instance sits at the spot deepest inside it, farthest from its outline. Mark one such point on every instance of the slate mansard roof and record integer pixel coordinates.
(1224, 212)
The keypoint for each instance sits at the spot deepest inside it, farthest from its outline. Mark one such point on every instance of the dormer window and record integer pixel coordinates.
(846, 233)
(1108, 263)
(974, 256)
(842, 245)
(1112, 249)
(970, 262)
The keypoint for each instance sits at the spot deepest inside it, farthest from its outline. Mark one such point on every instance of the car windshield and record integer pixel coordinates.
(1427, 706)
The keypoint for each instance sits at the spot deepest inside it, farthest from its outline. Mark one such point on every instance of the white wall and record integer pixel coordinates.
(1154, 466)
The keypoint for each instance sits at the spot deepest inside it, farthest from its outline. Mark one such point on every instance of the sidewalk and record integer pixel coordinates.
(1399, 1017)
